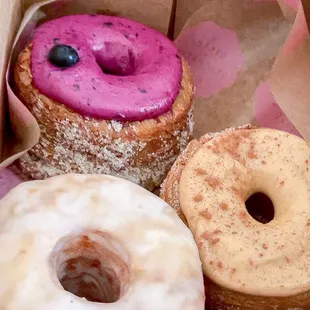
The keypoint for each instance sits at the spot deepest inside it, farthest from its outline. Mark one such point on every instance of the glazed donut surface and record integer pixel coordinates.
(213, 181)
(98, 237)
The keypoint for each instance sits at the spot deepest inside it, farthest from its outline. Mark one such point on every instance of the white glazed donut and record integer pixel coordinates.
(98, 237)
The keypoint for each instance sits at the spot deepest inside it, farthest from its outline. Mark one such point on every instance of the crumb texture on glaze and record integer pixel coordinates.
(237, 252)
(153, 252)
(126, 70)
(142, 152)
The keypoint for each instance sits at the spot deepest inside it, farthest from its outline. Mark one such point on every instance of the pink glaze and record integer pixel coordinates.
(268, 113)
(214, 55)
(147, 70)
(8, 180)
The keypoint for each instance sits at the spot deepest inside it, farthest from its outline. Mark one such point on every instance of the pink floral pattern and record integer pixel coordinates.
(214, 55)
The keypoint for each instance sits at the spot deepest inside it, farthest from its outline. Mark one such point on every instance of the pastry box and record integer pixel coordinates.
(244, 65)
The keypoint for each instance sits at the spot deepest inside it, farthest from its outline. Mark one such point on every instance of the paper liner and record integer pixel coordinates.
(289, 8)
(155, 13)
(268, 113)
(230, 45)
(290, 76)
(24, 131)
(8, 9)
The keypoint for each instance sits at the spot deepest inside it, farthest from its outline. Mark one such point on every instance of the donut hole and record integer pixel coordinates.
(93, 266)
(116, 59)
(260, 207)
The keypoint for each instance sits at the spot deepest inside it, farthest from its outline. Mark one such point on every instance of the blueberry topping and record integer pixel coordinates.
(108, 24)
(63, 56)
(76, 87)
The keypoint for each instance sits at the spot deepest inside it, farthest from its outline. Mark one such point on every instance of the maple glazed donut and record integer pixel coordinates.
(111, 96)
(251, 259)
(73, 242)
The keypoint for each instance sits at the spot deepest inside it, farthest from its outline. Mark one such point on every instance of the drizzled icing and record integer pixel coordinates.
(126, 71)
(61, 223)
(238, 252)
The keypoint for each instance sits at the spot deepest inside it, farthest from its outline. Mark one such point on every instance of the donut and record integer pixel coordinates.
(245, 195)
(73, 242)
(111, 96)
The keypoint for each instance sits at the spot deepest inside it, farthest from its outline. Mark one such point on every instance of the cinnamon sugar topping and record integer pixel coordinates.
(200, 171)
(251, 153)
(217, 231)
(206, 235)
(198, 197)
(243, 215)
(206, 214)
(223, 206)
(213, 182)
(215, 240)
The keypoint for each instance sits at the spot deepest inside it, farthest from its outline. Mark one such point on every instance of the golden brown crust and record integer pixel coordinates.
(217, 297)
(170, 187)
(142, 152)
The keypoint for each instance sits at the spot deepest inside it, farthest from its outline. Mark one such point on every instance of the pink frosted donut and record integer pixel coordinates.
(111, 96)
(126, 71)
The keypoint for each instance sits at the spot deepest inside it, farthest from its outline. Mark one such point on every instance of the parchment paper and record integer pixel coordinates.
(7, 24)
(290, 77)
(231, 46)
